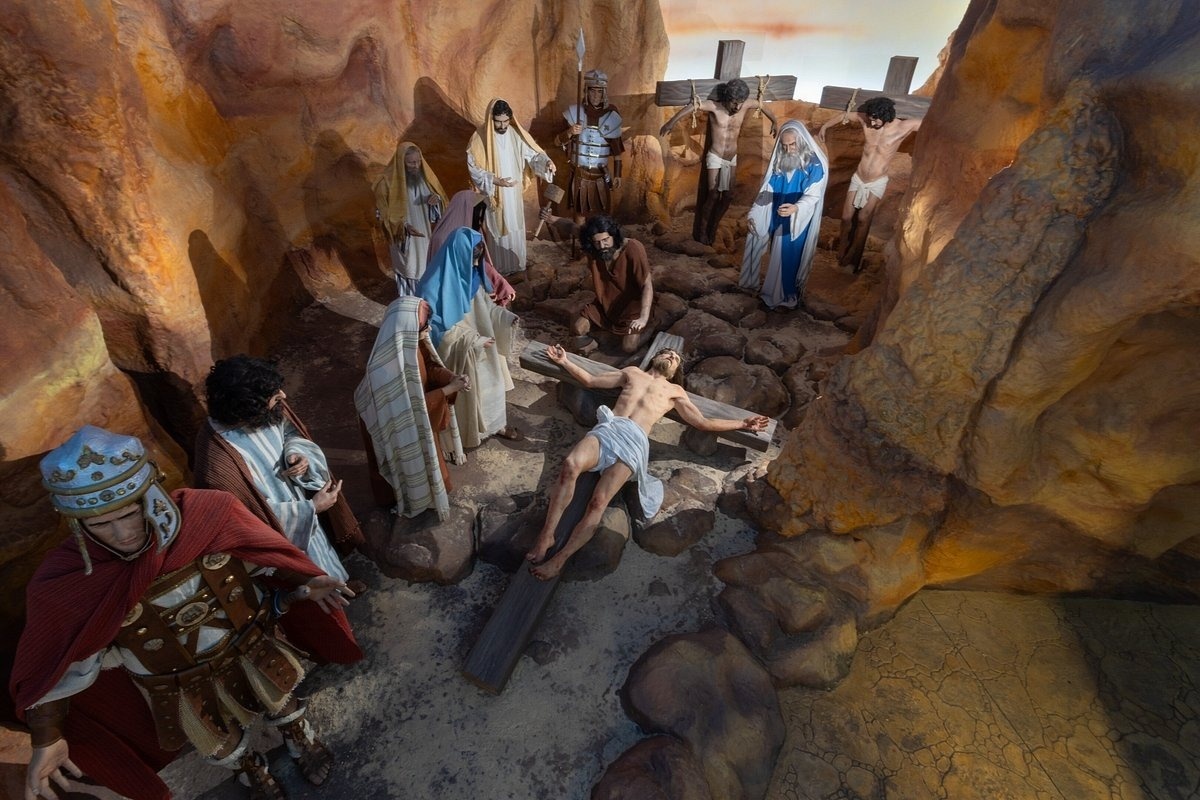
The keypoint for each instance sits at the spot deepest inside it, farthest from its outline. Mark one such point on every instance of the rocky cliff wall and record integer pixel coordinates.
(1025, 415)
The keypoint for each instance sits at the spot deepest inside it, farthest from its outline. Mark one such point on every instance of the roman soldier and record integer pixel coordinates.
(592, 138)
(161, 624)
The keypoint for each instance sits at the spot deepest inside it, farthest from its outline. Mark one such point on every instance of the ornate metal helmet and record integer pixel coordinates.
(95, 472)
(595, 78)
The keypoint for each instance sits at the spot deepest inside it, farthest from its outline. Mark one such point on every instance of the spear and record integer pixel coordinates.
(580, 49)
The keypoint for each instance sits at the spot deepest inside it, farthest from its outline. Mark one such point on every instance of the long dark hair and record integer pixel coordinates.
(601, 223)
(238, 389)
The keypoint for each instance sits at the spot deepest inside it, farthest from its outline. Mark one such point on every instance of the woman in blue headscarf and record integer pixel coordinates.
(472, 334)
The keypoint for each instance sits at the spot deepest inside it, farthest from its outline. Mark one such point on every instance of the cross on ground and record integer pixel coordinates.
(516, 617)
(896, 85)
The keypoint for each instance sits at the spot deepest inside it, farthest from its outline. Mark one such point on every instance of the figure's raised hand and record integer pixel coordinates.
(297, 465)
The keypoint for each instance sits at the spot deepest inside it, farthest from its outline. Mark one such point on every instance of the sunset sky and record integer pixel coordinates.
(834, 43)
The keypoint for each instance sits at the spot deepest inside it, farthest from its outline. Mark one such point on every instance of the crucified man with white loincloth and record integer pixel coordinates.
(619, 447)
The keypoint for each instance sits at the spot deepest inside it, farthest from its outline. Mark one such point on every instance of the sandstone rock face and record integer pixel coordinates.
(1024, 416)
(706, 689)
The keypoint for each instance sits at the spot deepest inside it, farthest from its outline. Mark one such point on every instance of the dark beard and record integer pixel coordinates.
(268, 416)
(607, 255)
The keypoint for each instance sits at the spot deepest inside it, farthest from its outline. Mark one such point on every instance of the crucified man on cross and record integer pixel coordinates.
(725, 118)
(884, 134)
(619, 447)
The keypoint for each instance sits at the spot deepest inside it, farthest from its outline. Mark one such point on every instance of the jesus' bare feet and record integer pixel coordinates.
(548, 570)
(540, 547)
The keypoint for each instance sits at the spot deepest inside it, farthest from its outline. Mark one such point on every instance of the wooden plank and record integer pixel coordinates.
(909, 106)
(508, 631)
(729, 59)
(679, 93)
(662, 341)
(898, 80)
(534, 359)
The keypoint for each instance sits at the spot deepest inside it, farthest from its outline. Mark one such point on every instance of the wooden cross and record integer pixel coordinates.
(896, 86)
(729, 65)
(516, 617)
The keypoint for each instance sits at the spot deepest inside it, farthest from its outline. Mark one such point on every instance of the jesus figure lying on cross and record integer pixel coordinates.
(619, 447)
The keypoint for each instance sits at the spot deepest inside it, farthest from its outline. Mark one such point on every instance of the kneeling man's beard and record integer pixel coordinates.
(606, 255)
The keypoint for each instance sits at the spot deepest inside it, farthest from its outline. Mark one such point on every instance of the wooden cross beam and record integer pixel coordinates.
(534, 359)
(729, 66)
(896, 86)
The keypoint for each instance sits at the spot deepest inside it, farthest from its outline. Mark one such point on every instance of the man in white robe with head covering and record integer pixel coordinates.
(409, 200)
(785, 218)
(500, 157)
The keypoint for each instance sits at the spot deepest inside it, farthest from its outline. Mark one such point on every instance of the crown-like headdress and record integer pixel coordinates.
(95, 472)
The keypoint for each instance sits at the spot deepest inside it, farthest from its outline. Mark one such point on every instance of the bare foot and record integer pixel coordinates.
(547, 571)
(542, 546)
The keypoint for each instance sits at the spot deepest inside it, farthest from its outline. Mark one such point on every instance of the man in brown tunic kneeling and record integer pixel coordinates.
(621, 279)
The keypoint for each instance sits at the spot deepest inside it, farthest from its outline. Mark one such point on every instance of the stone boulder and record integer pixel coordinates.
(705, 335)
(707, 690)
(658, 768)
(733, 307)
(750, 386)
(695, 281)
(683, 244)
(685, 517)
(424, 550)
(779, 348)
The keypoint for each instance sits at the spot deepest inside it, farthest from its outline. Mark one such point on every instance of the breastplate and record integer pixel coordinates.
(591, 149)
(188, 616)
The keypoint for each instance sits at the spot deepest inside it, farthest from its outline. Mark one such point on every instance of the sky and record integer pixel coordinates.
(821, 43)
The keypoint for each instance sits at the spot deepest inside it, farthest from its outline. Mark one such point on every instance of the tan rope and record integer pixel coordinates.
(695, 101)
(762, 91)
(849, 105)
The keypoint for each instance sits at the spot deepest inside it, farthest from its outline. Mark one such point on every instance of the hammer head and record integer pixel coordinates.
(553, 194)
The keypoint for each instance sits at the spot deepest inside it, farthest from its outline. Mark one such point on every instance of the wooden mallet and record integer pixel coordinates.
(554, 194)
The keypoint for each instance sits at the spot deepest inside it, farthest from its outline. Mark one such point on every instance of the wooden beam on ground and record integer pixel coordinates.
(510, 628)
(534, 359)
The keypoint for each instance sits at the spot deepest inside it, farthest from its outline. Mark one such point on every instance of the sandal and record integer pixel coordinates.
(254, 774)
(312, 757)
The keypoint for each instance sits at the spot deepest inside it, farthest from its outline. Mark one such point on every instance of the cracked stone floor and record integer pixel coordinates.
(977, 695)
